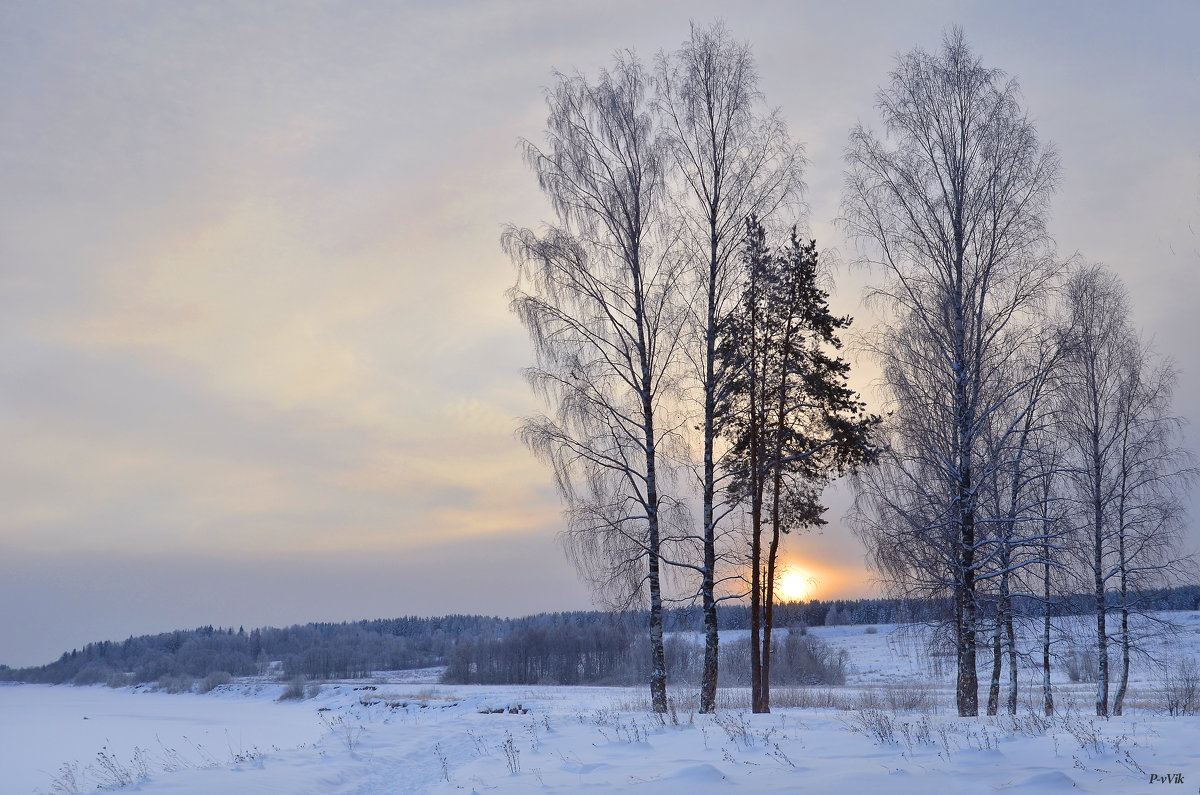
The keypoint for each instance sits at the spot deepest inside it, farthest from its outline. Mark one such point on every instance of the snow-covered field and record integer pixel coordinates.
(890, 729)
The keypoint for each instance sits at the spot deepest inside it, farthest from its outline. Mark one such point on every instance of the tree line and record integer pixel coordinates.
(697, 401)
(600, 647)
(584, 647)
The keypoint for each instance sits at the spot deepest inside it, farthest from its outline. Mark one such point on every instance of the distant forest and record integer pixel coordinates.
(583, 647)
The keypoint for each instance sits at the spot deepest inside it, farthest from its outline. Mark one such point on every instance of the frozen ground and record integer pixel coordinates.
(890, 729)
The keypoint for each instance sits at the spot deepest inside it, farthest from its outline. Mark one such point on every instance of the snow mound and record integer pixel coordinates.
(697, 774)
(1051, 781)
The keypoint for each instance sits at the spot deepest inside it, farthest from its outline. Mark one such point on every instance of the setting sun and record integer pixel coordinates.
(794, 585)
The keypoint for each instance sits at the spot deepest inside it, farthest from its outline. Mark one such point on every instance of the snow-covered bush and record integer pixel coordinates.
(296, 690)
(808, 660)
(1179, 693)
(1081, 666)
(181, 683)
(92, 674)
(215, 680)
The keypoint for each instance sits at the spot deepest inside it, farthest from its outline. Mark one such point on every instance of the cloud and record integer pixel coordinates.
(252, 304)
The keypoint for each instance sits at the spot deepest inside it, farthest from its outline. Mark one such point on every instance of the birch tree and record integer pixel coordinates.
(1022, 430)
(1128, 468)
(1153, 473)
(731, 159)
(1052, 521)
(951, 206)
(1100, 347)
(598, 293)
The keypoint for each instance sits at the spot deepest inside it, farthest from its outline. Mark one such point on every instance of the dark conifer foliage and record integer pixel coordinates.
(792, 422)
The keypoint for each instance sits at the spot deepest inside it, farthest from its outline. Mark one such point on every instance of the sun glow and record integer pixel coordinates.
(795, 585)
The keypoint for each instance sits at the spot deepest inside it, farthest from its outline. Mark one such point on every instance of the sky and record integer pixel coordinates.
(256, 361)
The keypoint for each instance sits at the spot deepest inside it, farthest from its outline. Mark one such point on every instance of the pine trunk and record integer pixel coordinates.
(764, 688)
(755, 599)
(776, 463)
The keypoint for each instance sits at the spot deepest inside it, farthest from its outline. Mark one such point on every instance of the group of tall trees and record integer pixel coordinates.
(1029, 440)
(686, 359)
(690, 361)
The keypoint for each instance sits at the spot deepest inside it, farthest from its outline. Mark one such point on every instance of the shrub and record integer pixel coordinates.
(807, 660)
(811, 698)
(685, 659)
(734, 670)
(92, 674)
(181, 683)
(914, 696)
(875, 724)
(215, 680)
(1082, 667)
(797, 658)
(296, 690)
(120, 680)
(1180, 690)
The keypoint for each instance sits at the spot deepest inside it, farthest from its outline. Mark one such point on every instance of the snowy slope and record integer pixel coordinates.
(390, 735)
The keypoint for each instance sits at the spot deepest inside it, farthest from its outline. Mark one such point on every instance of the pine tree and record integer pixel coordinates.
(792, 422)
